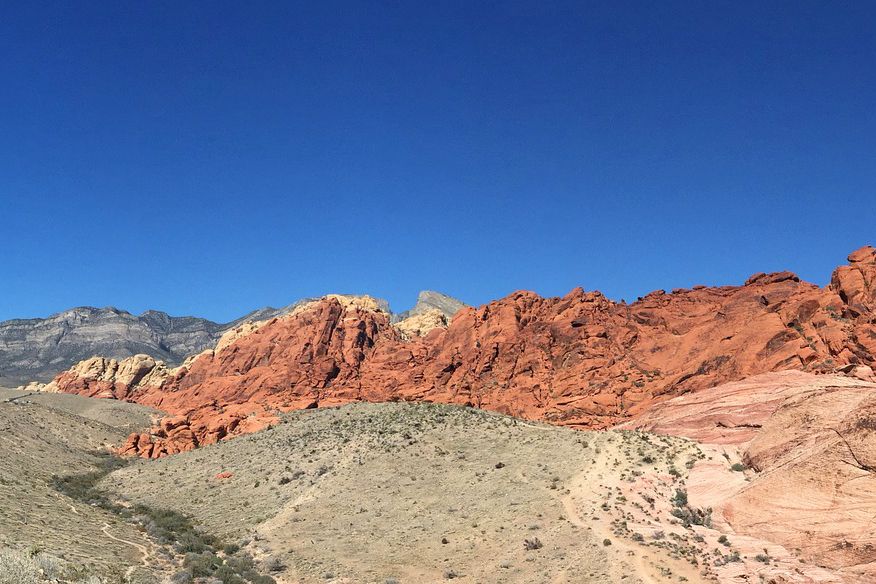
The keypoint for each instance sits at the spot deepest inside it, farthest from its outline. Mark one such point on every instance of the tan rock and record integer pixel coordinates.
(421, 324)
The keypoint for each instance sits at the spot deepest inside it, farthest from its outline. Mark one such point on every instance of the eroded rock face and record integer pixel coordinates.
(38, 349)
(111, 378)
(421, 324)
(581, 360)
(815, 488)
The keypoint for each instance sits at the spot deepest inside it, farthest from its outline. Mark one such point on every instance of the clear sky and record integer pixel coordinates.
(211, 158)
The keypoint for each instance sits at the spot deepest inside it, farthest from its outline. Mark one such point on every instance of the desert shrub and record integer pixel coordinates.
(691, 516)
(18, 568)
(183, 577)
(82, 487)
(532, 544)
(687, 514)
(73, 573)
(274, 564)
(48, 565)
(734, 557)
(234, 569)
(738, 467)
(227, 575)
(762, 558)
(167, 526)
(202, 564)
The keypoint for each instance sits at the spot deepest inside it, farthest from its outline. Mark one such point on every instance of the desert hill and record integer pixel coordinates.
(428, 493)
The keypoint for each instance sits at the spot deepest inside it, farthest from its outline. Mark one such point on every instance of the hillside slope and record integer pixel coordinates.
(50, 436)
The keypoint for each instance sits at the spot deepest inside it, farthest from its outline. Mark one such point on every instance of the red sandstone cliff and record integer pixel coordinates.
(581, 360)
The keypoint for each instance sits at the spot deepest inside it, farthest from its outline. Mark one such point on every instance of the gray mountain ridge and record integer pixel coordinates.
(37, 349)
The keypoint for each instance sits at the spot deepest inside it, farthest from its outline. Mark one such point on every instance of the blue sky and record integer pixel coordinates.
(211, 158)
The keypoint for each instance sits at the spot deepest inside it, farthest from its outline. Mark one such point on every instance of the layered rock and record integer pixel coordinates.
(37, 349)
(810, 442)
(581, 360)
(111, 378)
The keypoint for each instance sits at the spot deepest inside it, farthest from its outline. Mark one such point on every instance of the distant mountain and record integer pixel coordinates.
(37, 349)
(431, 300)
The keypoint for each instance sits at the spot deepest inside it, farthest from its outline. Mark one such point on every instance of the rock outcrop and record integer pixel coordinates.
(38, 349)
(111, 378)
(581, 360)
(810, 442)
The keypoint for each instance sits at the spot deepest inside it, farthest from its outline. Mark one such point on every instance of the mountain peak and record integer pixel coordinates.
(432, 300)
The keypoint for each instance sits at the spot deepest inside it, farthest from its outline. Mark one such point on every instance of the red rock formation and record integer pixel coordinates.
(581, 360)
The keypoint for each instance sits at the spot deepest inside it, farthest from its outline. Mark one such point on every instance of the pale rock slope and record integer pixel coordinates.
(808, 446)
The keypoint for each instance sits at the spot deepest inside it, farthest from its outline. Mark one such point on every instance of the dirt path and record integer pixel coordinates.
(140, 547)
(589, 487)
(580, 486)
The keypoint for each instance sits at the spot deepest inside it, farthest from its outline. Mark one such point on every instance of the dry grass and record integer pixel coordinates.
(126, 417)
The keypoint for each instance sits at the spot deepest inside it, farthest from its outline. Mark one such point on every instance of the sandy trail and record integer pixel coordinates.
(590, 487)
(580, 486)
(140, 547)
